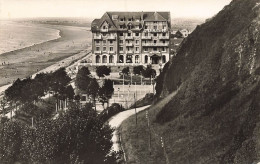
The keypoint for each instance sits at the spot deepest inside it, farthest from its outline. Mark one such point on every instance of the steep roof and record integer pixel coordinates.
(142, 16)
(155, 17)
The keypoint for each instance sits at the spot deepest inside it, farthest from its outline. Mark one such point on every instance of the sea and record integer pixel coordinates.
(17, 35)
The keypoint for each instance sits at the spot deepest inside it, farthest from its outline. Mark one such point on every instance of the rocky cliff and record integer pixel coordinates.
(214, 118)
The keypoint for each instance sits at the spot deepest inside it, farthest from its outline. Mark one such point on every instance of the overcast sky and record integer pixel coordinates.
(96, 8)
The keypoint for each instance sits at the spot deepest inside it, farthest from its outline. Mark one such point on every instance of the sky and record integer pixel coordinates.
(96, 8)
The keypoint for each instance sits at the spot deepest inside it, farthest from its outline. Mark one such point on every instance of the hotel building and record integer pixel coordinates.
(131, 38)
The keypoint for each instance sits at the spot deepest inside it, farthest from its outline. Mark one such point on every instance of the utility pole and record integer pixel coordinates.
(131, 78)
(148, 123)
(32, 122)
(135, 110)
(164, 151)
(123, 82)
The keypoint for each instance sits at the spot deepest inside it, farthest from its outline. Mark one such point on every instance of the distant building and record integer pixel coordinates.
(185, 32)
(131, 38)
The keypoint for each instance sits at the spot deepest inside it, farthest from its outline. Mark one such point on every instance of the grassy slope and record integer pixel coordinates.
(135, 138)
(214, 118)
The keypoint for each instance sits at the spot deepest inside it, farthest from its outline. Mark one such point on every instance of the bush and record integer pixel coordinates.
(77, 136)
(102, 71)
(138, 70)
(125, 70)
(111, 111)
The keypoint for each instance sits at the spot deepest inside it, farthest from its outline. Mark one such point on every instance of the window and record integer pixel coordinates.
(155, 27)
(121, 41)
(104, 49)
(137, 34)
(155, 48)
(104, 34)
(121, 49)
(121, 19)
(155, 34)
(104, 41)
(97, 48)
(145, 27)
(121, 26)
(121, 34)
(145, 34)
(163, 34)
(111, 48)
(163, 41)
(145, 49)
(129, 34)
(154, 41)
(111, 41)
(137, 49)
(129, 19)
(137, 41)
(104, 27)
(163, 49)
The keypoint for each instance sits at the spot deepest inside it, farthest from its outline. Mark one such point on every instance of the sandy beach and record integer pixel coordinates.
(27, 61)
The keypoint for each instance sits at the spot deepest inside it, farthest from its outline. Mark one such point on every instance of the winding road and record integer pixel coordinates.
(116, 121)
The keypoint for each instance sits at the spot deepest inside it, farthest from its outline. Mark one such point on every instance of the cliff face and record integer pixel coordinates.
(217, 71)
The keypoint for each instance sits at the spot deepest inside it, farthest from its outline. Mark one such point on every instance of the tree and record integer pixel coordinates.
(106, 91)
(4, 105)
(125, 71)
(69, 92)
(102, 71)
(10, 142)
(59, 81)
(82, 79)
(149, 72)
(13, 92)
(93, 89)
(138, 70)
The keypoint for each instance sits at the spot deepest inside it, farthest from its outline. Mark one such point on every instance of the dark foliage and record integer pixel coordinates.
(137, 70)
(110, 111)
(125, 71)
(82, 79)
(103, 71)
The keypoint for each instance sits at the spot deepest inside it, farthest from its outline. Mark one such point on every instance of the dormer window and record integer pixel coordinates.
(121, 26)
(129, 19)
(121, 19)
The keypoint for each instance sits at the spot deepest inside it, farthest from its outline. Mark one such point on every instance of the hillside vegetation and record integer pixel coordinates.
(214, 117)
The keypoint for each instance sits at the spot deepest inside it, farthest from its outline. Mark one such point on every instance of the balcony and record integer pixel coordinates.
(157, 30)
(147, 37)
(155, 44)
(129, 38)
(129, 52)
(97, 52)
(163, 44)
(104, 30)
(155, 52)
(97, 37)
(163, 37)
(111, 37)
(111, 52)
(121, 52)
(129, 44)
